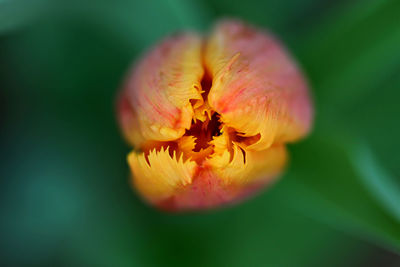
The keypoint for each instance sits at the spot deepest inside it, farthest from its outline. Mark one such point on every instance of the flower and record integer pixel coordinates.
(209, 117)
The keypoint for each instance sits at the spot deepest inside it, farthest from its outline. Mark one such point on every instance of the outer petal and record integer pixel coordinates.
(221, 181)
(256, 86)
(175, 185)
(156, 97)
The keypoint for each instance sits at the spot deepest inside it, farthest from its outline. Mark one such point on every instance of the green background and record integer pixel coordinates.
(65, 199)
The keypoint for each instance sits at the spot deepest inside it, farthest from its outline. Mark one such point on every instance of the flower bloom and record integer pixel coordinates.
(209, 117)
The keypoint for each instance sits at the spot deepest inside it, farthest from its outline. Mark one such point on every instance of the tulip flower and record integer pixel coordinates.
(209, 117)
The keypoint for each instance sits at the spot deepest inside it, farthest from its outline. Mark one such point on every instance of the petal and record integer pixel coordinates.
(161, 175)
(128, 121)
(256, 87)
(248, 166)
(223, 181)
(160, 89)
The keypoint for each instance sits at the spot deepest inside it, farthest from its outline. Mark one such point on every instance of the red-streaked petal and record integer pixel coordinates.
(160, 88)
(257, 88)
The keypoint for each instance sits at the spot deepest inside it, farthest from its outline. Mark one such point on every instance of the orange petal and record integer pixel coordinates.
(159, 90)
(256, 87)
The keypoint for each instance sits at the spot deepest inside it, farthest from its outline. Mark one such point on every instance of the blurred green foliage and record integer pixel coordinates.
(65, 199)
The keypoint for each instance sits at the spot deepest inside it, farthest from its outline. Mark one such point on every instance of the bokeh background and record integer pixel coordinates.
(65, 199)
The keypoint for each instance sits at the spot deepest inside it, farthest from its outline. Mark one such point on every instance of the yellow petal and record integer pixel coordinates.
(161, 175)
(248, 166)
(161, 86)
(256, 86)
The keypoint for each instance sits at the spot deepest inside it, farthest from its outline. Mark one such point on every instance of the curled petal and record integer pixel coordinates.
(160, 89)
(248, 166)
(256, 86)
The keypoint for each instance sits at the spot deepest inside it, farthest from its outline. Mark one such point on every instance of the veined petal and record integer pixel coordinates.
(161, 87)
(256, 86)
(161, 175)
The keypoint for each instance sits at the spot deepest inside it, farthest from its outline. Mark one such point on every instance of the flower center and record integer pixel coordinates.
(207, 135)
(204, 132)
